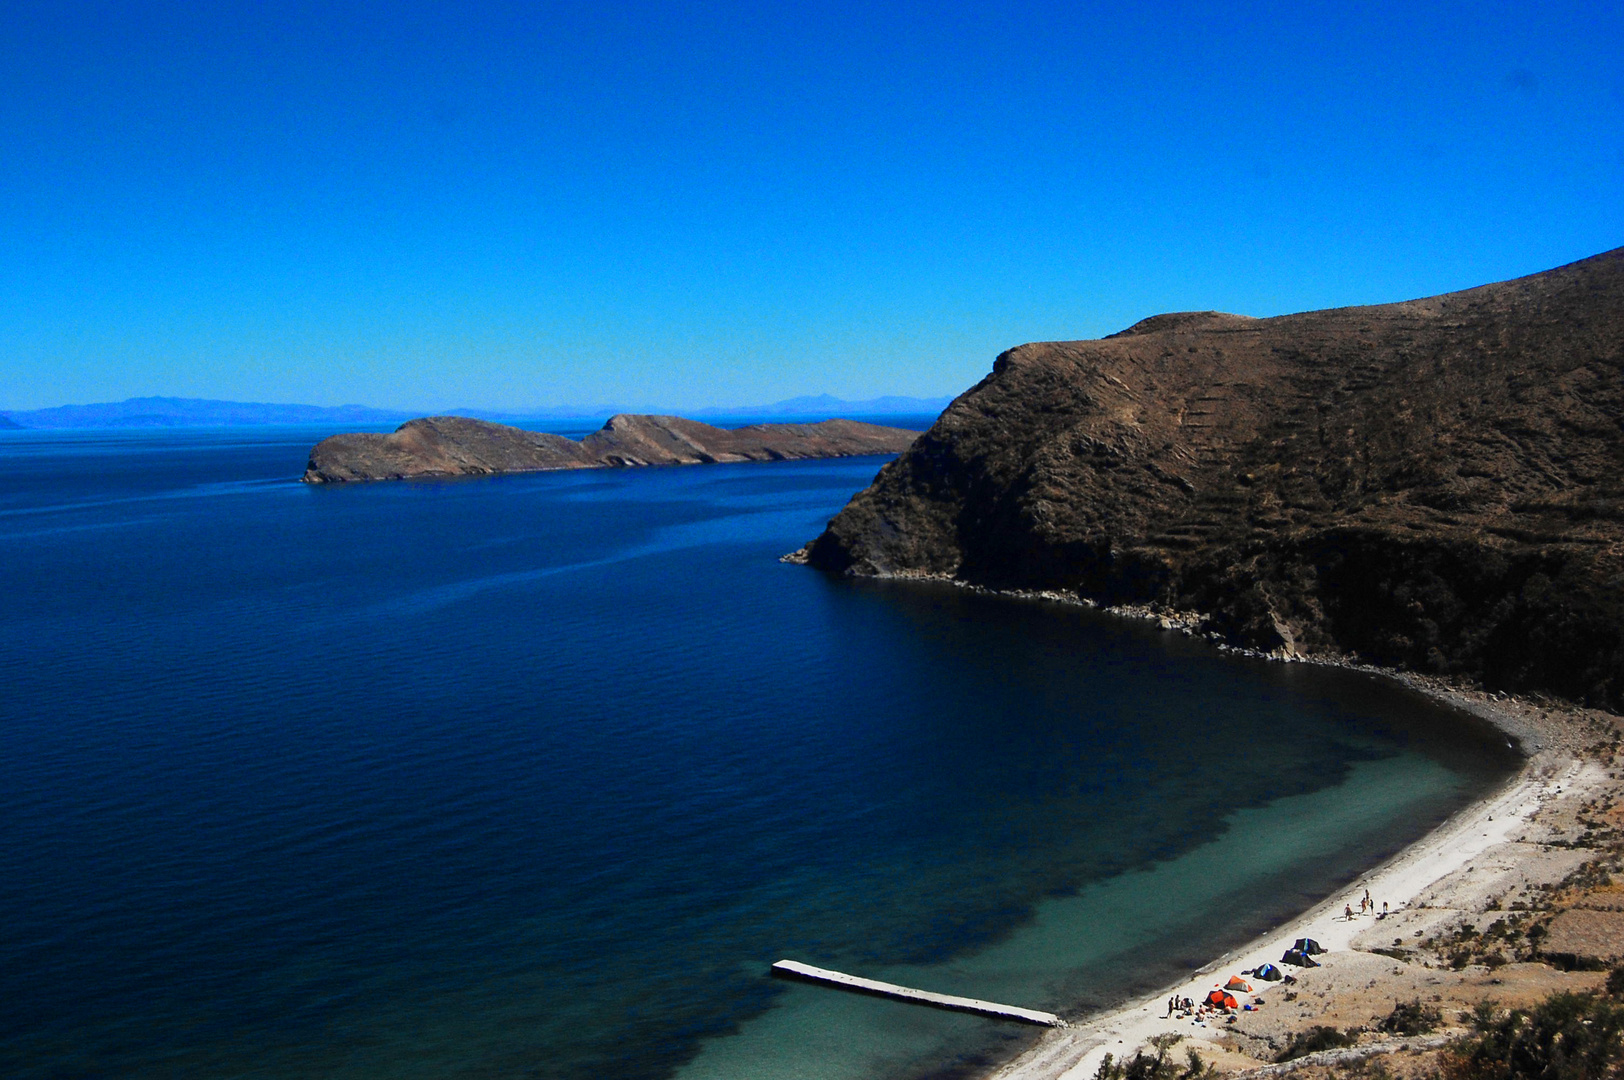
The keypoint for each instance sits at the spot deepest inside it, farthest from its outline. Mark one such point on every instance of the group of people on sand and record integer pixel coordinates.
(1367, 906)
(1196, 1011)
(1199, 1012)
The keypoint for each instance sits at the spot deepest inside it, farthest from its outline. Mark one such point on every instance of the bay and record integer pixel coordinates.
(535, 775)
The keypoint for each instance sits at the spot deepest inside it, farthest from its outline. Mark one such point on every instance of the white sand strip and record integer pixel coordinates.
(1075, 1053)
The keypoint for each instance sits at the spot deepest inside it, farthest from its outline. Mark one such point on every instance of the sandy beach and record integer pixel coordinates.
(1515, 856)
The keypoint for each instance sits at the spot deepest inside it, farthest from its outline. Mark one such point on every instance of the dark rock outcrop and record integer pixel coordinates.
(458, 446)
(1437, 484)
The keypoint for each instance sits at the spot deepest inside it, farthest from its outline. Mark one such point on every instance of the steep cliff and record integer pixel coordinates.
(458, 446)
(1437, 484)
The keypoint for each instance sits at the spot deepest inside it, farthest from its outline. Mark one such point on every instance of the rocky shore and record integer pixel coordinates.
(1435, 485)
(459, 446)
(1431, 489)
(1509, 902)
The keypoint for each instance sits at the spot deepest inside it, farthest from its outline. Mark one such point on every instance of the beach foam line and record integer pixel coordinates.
(843, 981)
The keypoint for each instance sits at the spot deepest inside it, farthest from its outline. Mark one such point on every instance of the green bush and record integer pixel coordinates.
(1566, 1037)
(1143, 1067)
(1411, 1018)
(1319, 1037)
(1140, 1068)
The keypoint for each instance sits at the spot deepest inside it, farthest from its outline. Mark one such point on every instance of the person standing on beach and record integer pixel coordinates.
(1347, 911)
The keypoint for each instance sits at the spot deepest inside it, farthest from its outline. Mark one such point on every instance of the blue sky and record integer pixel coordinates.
(511, 205)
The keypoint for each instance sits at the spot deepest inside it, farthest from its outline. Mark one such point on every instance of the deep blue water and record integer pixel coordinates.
(533, 776)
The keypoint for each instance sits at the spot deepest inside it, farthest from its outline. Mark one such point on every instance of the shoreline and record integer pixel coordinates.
(1403, 881)
(1527, 837)
(1428, 887)
(1561, 768)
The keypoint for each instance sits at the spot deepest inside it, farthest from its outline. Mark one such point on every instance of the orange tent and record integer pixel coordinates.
(1237, 983)
(1219, 999)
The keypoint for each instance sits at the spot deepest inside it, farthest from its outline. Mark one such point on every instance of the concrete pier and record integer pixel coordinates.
(792, 969)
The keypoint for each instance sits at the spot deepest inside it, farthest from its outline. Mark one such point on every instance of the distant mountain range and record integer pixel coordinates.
(161, 412)
(155, 412)
(824, 405)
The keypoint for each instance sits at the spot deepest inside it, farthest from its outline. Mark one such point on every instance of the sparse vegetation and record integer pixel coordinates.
(1447, 542)
(1566, 1037)
(1317, 1038)
(1160, 1067)
(1411, 1018)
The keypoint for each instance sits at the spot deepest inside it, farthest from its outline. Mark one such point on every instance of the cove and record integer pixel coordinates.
(536, 775)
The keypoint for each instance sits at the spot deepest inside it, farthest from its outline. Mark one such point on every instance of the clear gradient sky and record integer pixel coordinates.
(511, 205)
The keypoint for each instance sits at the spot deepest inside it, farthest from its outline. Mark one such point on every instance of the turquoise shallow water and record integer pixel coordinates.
(1137, 929)
(534, 776)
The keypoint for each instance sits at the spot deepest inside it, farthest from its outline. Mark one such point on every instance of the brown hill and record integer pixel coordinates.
(458, 446)
(1436, 484)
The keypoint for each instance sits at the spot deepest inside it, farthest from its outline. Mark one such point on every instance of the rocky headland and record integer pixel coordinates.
(1435, 485)
(459, 446)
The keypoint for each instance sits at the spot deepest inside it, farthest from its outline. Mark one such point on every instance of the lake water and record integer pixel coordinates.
(534, 776)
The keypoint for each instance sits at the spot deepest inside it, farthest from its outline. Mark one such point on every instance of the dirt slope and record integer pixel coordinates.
(1436, 484)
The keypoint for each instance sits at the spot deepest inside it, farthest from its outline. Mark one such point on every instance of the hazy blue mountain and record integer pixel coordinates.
(546, 412)
(816, 406)
(152, 412)
(824, 406)
(148, 412)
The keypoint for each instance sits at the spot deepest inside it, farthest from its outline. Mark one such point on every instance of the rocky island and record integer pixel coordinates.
(459, 446)
(1435, 485)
